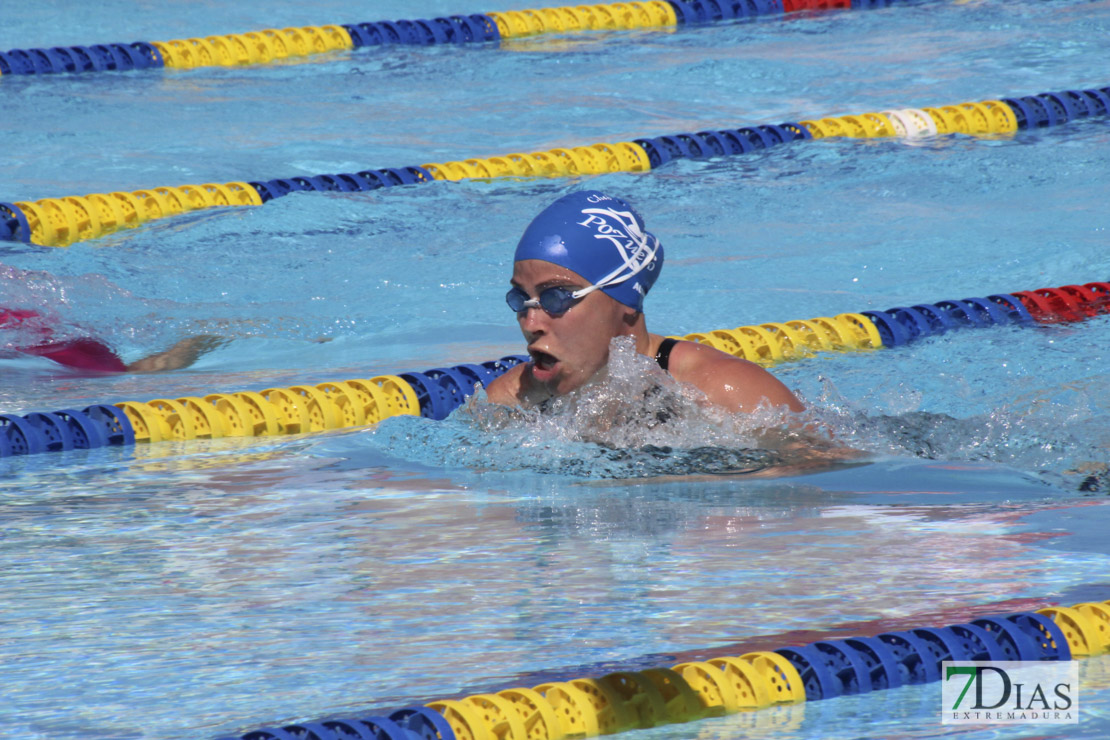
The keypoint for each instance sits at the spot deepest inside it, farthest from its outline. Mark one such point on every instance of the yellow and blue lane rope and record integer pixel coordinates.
(268, 45)
(63, 221)
(693, 690)
(436, 393)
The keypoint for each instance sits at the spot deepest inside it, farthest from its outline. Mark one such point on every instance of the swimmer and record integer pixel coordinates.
(580, 275)
(93, 355)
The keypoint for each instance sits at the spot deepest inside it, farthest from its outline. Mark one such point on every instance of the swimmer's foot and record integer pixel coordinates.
(183, 354)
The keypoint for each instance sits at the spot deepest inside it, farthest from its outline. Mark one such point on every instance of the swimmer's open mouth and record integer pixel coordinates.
(542, 360)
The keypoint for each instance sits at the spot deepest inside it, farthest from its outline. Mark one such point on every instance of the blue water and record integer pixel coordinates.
(211, 587)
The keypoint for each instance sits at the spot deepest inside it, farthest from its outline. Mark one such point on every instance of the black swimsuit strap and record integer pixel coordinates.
(663, 356)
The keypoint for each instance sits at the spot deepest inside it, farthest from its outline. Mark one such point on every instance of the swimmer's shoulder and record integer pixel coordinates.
(728, 381)
(508, 389)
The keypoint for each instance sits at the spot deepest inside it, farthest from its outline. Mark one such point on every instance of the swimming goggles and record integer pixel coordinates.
(555, 301)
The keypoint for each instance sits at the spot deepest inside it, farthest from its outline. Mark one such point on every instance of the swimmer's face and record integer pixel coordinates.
(569, 349)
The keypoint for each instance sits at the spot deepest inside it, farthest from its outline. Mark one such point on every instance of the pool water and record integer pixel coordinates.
(210, 587)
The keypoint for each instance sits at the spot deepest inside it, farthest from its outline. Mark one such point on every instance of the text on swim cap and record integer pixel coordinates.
(632, 244)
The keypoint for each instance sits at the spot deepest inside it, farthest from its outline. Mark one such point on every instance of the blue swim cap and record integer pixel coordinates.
(601, 238)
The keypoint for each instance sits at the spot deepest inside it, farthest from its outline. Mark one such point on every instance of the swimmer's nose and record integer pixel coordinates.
(532, 319)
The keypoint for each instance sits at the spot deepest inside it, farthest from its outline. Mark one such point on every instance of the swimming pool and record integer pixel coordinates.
(211, 587)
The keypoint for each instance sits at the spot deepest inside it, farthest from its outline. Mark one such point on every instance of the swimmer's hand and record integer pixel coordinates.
(183, 354)
(810, 439)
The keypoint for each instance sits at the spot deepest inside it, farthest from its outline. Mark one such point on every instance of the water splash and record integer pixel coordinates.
(634, 421)
(637, 422)
(1063, 440)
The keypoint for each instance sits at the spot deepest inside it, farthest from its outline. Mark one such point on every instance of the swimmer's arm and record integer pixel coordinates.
(739, 385)
(181, 355)
(727, 381)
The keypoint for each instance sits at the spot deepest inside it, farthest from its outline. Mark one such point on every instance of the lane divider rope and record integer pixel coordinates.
(436, 393)
(825, 669)
(267, 45)
(63, 221)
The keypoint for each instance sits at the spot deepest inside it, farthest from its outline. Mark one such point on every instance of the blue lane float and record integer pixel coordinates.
(348, 182)
(457, 29)
(98, 58)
